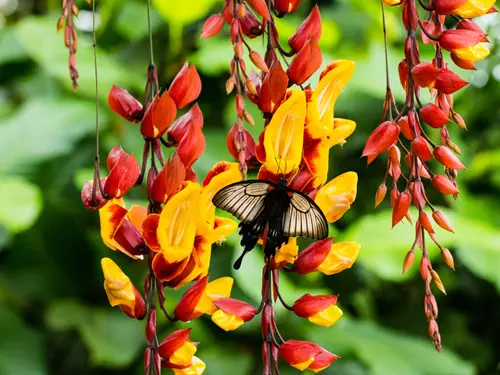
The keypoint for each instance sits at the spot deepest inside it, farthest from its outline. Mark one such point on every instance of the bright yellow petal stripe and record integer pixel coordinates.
(474, 8)
(284, 136)
(177, 227)
(321, 106)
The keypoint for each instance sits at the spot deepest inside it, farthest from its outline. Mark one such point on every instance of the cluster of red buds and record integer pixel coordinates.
(299, 130)
(70, 9)
(447, 27)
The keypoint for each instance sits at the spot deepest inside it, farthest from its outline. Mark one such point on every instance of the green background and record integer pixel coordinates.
(54, 314)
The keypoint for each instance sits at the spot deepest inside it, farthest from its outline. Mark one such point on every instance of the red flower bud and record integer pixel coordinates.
(168, 180)
(448, 82)
(444, 185)
(273, 88)
(425, 221)
(454, 39)
(212, 26)
(466, 24)
(446, 157)
(260, 7)
(380, 194)
(401, 207)
(406, 130)
(442, 221)
(305, 63)
(237, 141)
(122, 176)
(433, 115)
(381, 139)
(258, 61)
(185, 309)
(420, 147)
(286, 6)
(186, 86)
(312, 256)
(251, 26)
(409, 259)
(124, 104)
(309, 30)
(424, 74)
(464, 64)
(403, 73)
(186, 133)
(308, 305)
(86, 195)
(159, 115)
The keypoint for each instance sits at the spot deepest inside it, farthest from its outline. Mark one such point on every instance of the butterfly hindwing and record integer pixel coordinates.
(244, 199)
(303, 218)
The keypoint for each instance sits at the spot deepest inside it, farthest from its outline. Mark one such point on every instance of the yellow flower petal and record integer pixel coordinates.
(117, 285)
(196, 368)
(223, 227)
(342, 129)
(321, 105)
(342, 255)
(227, 322)
(184, 354)
(288, 252)
(336, 197)
(316, 370)
(220, 288)
(230, 175)
(473, 53)
(327, 317)
(474, 8)
(176, 227)
(284, 136)
(303, 365)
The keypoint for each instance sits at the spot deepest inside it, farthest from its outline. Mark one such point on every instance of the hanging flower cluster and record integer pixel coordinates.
(448, 27)
(299, 131)
(174, 234)
(65, 21)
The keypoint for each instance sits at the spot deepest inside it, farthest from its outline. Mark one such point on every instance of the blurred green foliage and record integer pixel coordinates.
(54, 315)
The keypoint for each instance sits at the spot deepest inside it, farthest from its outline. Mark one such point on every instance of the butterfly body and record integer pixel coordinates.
(273, 210)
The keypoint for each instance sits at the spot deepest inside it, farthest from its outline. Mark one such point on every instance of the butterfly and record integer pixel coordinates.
(261, 206)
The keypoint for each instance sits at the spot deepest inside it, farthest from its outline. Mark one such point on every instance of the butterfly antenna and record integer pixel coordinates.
(237, 263)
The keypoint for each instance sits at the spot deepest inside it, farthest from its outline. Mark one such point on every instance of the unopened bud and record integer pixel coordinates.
(430, 306)
(459, 120)
(433, 328)
(230, 85)
(60, 23)
(240, 105)
(241, 10)
(424, 268)
(380, 194)
(251, 87)
(238, 50)
(437, 281)
(448, 258)
(425, 221)
(442, 221)
(74, 10)
(248, 118)
(408, 262)
(408, 217)
(394, 154)
(258, 61)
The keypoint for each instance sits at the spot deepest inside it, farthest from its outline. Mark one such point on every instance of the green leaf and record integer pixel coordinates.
(20, 204)
(41, 130)
(213, 56)
(183, 12)
(21, 348)
(113, 339)
(38, 37)
(126, 21)
(11, 50)
(388, 352)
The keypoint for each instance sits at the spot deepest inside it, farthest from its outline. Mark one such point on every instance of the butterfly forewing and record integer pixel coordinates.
(304, 218)
(244, 199)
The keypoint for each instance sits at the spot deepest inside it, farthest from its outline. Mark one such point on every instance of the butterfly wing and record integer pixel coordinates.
(304, 218)
(244, 199)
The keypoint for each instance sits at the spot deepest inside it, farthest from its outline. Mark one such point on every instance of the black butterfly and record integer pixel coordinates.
(285, 212)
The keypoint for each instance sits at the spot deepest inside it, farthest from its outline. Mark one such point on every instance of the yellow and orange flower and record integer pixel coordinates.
(183, 233)
(120, 290)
